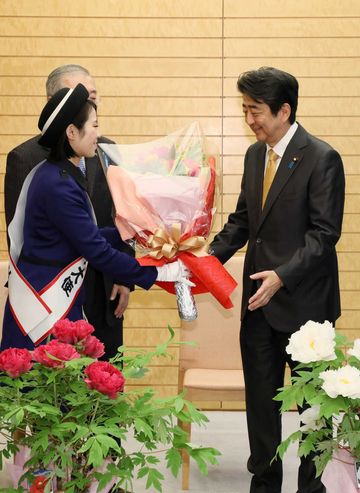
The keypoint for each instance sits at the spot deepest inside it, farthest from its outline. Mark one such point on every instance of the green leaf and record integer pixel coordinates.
(307, 445)
(202, 455)
(19, 416)
(332, 406)
(137, 372)
(321, 460)
(310, 392)
(141, 426)
(143, 471)
(305, 377)
(81, 432)
(87, 445)
(79, 363)
(96, 456)
(162, 431)
(172, 333)
(284, 445)
(151, 459)
(287, 396)
(173, 460)
(104, 480)
(154, 478)
(42, 440)
(107, 443)
(179, 404)
(64, 427)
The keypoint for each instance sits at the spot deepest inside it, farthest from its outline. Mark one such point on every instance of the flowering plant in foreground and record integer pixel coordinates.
(72, 415)
(327, 384)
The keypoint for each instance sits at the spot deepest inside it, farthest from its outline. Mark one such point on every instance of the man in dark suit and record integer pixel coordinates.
(290, 211)
(105, 302)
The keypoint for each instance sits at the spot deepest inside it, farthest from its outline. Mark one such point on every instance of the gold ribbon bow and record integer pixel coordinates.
(167, 244)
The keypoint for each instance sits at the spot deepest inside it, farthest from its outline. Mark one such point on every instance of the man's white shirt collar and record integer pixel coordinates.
(281, 146)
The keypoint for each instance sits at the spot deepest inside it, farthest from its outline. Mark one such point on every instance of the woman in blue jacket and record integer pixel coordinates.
(54, 235)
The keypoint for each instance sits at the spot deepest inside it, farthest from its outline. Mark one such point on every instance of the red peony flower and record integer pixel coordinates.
(105, 378)
(15, 361)
(93, 347)
(60, 350)
(72, 332)
(38, 485)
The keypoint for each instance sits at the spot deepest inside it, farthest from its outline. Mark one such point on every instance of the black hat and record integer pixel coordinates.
(59, 112)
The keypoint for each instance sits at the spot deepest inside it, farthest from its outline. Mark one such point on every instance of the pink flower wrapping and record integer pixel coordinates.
(163, 192)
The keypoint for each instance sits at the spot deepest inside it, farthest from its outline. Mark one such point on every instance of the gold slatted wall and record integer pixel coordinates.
(160, 64)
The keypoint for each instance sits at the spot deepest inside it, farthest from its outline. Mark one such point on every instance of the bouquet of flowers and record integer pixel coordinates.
(65, 417)
(327, 385)
(163, 193)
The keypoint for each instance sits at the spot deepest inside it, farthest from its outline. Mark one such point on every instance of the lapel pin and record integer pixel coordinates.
(293, 162)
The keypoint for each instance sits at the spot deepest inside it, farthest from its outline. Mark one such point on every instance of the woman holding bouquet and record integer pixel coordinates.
(53, 234)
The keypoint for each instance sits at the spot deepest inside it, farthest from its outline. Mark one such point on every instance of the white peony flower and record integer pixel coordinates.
(344, 381)
(312, 342)
(355, 351)
(311, 419)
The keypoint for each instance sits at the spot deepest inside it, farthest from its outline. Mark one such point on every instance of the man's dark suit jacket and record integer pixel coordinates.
(20, 162)
(296, 232)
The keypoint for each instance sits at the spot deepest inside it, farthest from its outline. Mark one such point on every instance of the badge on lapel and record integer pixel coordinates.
(293, 162)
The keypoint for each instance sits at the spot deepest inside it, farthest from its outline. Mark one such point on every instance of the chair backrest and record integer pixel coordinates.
(4, 264)
(215, 331)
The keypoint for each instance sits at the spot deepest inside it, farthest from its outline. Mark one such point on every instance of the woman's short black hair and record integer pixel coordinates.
(271, 86)
(62, 149)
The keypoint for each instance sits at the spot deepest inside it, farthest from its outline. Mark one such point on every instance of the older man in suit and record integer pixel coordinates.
(290, 211)
(103, 299)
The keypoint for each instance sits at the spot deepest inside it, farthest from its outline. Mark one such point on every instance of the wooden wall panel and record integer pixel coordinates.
(111, 28)
(113, 8)
(133, 47)
(292, 27)
(299, 66)
(291, 9)
(113, 67)
(129, 86)
(160, 65)
(310, 106)
(321, 47)
(312, 86)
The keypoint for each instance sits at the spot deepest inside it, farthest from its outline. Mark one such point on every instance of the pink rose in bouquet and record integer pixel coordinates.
(59, 350)
(72, 332)
(105, 378)
(15, 361)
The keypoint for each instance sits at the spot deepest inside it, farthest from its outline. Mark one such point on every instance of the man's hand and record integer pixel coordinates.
(271, 283)
(124, 294)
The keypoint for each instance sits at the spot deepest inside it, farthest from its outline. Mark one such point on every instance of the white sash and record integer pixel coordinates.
(36, 312)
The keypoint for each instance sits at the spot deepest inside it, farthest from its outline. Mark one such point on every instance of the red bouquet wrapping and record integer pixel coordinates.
(163, 192)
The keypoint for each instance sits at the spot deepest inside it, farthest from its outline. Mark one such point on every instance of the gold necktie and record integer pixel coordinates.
(269, 174)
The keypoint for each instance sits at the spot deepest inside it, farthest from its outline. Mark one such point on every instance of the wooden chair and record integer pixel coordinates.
(212, 371)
